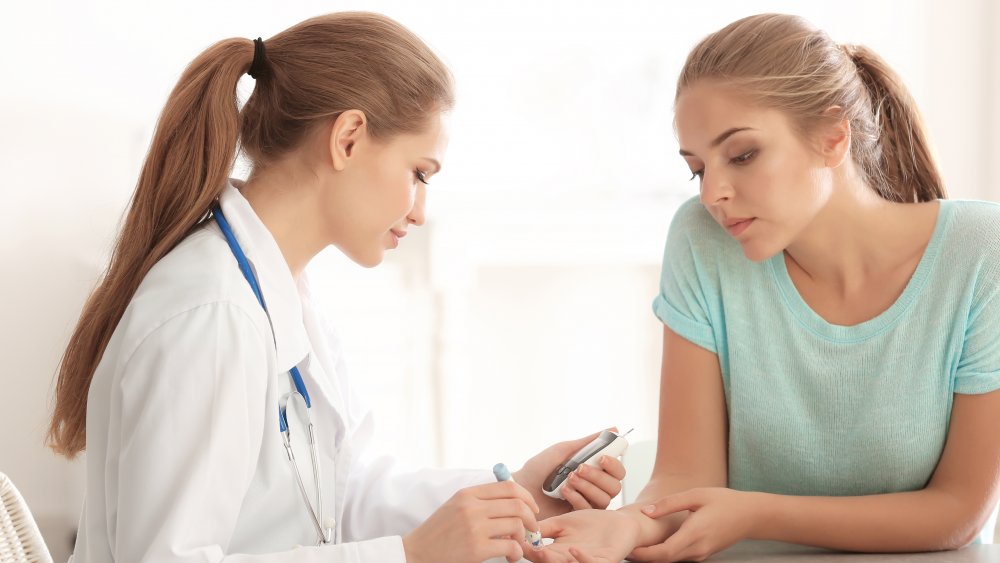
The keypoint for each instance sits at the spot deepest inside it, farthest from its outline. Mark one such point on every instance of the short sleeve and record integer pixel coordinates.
(979, 364)
(683, 303)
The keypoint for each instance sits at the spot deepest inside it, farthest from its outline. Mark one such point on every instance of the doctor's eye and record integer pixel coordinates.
(421, 176)
(697, 174)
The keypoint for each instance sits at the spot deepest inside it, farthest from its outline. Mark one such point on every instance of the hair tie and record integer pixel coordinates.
(257, 66)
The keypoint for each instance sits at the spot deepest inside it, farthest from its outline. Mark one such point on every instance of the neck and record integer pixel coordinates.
(284, 200)
(858, 236)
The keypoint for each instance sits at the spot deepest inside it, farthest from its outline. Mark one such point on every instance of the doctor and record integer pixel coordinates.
(212, 398)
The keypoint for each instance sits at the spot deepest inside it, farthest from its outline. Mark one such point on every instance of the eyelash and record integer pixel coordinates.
(421, 177)
(738, 160)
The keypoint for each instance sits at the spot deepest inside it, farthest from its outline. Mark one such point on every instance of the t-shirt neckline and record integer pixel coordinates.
(884, 320)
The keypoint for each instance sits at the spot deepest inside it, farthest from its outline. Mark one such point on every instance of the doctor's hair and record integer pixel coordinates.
(783, 62)
(311, 73)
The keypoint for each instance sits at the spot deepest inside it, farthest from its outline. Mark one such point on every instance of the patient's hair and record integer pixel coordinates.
(312, 72)
(783, 62)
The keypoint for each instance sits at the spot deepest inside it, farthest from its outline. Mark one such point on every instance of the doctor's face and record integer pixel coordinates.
(759, 179)
(384, 194)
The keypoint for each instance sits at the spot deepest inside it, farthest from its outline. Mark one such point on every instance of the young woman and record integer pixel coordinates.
(831, 355)
(213, 401)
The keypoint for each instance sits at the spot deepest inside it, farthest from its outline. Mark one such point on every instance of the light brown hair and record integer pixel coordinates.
(783, 62)
(312, 72)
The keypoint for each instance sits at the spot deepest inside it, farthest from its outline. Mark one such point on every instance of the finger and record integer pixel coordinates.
(504, 489)
(612, 466)
(500, 527)
(666, 551)
(574, 498)
(593, 494)
(606, 482)
(688, 500)
(546, 555)
(509, 549)
(506, 508)
(696, 551)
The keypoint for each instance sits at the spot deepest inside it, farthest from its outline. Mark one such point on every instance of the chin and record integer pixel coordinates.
(366, 260)
(758, 252)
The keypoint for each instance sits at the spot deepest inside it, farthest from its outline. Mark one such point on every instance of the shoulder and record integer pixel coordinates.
(973, 234)
(199, 278)
(975, 218)
(696, 237)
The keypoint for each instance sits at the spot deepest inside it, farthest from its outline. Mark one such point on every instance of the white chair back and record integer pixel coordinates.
(20, 539)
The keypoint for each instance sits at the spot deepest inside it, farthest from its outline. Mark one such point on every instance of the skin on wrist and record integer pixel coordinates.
(652, 530)
(766, 508)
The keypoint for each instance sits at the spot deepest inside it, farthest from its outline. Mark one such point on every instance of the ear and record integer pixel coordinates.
(835, 137)
(348, 129)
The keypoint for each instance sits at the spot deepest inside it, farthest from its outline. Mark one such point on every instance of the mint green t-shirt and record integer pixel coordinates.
(822, 409)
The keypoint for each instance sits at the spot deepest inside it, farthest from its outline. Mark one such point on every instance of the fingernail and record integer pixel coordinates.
(649, 509)
(604, 459)
(582, 470)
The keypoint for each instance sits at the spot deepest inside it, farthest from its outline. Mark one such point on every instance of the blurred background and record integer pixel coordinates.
(520, 314)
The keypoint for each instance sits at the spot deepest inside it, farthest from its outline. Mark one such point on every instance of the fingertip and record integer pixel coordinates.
(649, 509)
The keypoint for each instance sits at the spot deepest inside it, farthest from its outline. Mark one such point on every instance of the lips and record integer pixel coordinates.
(737, 225)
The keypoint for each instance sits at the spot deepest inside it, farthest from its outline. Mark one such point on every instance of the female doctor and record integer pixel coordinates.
(213, 400)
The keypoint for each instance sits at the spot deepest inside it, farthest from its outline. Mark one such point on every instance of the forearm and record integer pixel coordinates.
(925, 520)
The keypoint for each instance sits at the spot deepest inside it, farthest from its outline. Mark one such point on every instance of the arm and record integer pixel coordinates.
(947, 514)
(693, 436)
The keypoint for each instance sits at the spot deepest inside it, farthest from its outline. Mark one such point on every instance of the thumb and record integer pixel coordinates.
(688, 500)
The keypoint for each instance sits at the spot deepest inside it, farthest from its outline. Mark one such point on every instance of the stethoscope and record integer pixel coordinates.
(299, 394)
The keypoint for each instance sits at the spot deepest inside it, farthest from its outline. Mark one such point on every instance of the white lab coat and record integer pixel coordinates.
(184, 457)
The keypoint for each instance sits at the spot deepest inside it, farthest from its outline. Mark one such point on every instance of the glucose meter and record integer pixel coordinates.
(607, 443)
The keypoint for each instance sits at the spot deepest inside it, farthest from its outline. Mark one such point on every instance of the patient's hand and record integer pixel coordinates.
(587, 536)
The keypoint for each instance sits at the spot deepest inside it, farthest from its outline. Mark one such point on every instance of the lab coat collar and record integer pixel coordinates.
(279, 288)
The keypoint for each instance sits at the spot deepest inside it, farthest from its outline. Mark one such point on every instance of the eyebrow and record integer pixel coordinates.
(718, 140)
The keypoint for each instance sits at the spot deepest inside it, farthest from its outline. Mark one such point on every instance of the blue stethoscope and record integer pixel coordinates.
(299, 394)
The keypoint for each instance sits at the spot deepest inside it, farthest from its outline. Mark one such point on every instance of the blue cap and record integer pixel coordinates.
(501, 472)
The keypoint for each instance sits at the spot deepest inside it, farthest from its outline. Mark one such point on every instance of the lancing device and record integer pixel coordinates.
(607, 443)
(501, 472)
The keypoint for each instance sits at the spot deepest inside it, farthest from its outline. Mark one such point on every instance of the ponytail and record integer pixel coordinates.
(903, 168)
(191, 155)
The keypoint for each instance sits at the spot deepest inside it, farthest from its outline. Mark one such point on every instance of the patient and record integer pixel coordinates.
(830, 351)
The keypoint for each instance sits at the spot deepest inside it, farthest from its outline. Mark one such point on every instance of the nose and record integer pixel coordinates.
(416, 214)
(715, 188)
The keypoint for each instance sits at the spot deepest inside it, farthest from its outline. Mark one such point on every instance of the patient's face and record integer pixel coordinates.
(760, 180)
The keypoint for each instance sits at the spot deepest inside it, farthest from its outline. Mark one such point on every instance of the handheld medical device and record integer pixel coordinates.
(607, 443)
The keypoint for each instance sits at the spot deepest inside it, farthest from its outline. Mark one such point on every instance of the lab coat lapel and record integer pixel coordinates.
(280, 293)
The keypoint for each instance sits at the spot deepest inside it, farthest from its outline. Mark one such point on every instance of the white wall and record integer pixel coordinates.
(528, 292)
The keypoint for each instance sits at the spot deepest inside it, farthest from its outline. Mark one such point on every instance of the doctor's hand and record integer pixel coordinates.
(475, 524)
(587, 487)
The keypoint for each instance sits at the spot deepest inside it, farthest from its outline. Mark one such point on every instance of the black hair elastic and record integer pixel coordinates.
(257, 66)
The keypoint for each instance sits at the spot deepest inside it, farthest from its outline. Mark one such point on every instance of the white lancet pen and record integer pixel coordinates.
(501, 472)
